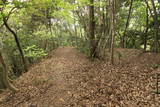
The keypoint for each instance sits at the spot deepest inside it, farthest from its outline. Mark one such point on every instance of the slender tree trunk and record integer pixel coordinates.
(76, 33)
(113, 30)
(17, 42)
(127, 24)
(93, 53)
(146, 31)
(156, 24)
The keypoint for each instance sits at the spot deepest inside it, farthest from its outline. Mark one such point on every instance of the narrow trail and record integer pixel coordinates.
(48, 84)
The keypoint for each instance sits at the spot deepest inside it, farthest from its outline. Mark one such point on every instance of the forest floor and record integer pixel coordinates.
(68, 79)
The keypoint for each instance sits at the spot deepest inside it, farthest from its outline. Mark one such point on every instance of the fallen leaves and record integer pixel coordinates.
(68, 79)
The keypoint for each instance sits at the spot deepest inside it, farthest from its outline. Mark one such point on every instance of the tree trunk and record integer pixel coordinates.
(5, 75)
(127, 24)
(156, 24)
(93, 52)
(76, 33)
(112, 4)
(17, 42)
(146, 31)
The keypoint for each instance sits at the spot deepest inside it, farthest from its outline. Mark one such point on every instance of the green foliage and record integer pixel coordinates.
(34, 52)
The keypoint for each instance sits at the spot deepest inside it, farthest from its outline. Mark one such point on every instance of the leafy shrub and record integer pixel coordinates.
(33, 53)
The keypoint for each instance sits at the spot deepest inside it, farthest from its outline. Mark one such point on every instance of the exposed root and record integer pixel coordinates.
(5, 76)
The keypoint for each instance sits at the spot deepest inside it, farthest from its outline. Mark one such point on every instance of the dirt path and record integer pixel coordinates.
(68, 79)
(48, 84)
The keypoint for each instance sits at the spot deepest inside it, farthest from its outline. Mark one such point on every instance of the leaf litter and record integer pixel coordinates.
(68, 79)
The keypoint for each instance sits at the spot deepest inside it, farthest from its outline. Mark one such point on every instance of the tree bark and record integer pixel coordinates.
(5, 75)
(75, 32)
(17, 42)
(112, 3)
(146, 31)
(127, 24)
(93, 52)
(156, 24)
